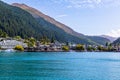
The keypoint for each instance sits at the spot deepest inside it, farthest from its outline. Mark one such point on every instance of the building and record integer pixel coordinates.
(10, 44)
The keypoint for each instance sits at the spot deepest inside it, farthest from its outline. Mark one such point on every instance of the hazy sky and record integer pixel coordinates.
(90, 17)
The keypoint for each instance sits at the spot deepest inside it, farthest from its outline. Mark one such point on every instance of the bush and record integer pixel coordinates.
(80, 47)
(17, 38)
(19, 48)
(90, 48)
(65, 48)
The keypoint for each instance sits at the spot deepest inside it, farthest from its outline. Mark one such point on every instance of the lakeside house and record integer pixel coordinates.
(10, 43)
(56, 46)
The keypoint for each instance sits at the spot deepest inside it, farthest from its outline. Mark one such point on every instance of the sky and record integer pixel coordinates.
(90, 17)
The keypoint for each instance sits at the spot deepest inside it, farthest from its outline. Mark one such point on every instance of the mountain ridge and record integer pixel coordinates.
(37, 14)
(109, 37)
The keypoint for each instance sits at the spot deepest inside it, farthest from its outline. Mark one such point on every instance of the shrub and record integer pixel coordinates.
(80, 47)
(17, 38)
(90, 48)
(19, 48)
(65, 48)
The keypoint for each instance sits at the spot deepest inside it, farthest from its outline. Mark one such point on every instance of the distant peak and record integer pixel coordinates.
(109, 37)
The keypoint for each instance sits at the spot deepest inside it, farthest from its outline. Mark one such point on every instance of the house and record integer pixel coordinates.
(10, 44)
(56, 45)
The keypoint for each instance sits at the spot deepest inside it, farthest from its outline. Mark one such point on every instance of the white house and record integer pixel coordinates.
(10, 44)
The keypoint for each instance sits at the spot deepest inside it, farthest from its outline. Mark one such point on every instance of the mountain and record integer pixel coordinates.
(16, 21)
(46, 21)
(99, 40)
(22, 20)
(37, 14)
(116, 42)
(109, 37)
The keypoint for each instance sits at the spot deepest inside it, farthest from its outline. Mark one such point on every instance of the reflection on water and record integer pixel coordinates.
(9, 50)
(59, 66)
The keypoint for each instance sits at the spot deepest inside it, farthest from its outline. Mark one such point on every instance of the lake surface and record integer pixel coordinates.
(60, 66)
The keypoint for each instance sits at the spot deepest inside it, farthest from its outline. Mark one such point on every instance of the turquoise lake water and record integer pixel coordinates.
(60, 66)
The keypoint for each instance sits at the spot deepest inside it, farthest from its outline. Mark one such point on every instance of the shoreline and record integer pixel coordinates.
(12, 50)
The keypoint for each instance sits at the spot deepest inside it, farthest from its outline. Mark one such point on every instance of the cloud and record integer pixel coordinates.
(114, 33)
(60, 16)
(69, 6)
(88, 3)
